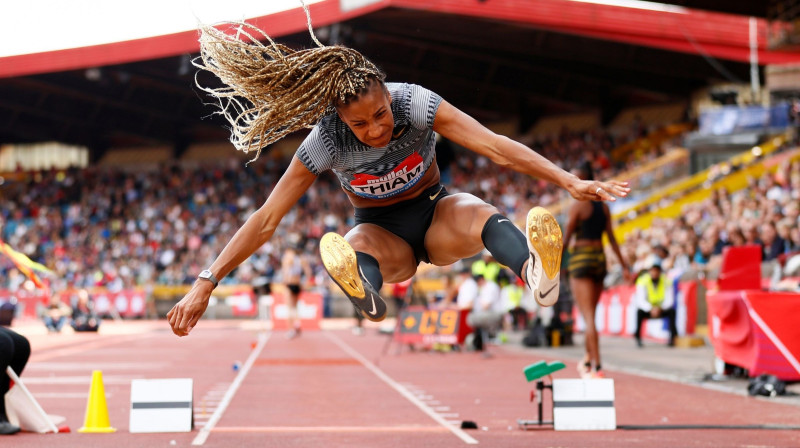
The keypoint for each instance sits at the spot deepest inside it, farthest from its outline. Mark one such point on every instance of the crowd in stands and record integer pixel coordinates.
(115, 228)
(118, 228)
(765, 213)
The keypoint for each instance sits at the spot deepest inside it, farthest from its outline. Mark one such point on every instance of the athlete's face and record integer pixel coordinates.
(370, 116)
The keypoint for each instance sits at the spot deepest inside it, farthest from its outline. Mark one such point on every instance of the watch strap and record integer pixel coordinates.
(208, 275)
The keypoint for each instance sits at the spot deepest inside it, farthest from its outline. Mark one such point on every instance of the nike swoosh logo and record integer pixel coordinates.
(371, 296)
(433, 196)
(543, 295)
(501, 220)
(374, 308)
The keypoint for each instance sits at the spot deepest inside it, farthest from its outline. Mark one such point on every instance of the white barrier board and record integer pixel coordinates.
(583, 404)
(163, 405)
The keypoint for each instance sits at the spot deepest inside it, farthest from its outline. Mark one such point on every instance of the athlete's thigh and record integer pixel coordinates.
(455, 231)
(395, 257)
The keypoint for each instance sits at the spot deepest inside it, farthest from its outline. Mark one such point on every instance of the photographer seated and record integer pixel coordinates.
(56, 314)
(655, 299)
(83, 316)
(486, 317)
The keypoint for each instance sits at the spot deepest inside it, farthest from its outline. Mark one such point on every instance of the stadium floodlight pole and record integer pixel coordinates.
(755, 83)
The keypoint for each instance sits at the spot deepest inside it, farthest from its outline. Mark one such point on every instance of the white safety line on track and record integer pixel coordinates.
(62, 395)
(63, 351)
(401, 390)
(330, 429)
(206, 430)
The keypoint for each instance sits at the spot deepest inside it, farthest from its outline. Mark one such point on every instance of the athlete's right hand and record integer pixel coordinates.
(185, 314)
(593, 190)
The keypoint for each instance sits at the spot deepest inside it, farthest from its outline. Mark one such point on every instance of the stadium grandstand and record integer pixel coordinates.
(118, 175)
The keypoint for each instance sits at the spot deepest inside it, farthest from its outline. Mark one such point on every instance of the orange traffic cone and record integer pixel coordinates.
(96, 411)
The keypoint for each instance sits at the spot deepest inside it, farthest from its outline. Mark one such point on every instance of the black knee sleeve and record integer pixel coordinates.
(505, 242)
(370, 270)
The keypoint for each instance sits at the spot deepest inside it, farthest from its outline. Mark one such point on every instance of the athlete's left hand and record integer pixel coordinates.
(593, 190)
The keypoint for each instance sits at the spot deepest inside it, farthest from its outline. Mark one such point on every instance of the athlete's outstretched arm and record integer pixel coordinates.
(256, 230)
(467, 132)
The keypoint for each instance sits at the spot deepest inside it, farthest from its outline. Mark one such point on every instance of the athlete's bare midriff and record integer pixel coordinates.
(587, 243)
(429, 179)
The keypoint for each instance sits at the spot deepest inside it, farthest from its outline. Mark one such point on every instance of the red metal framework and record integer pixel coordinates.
(720, 35)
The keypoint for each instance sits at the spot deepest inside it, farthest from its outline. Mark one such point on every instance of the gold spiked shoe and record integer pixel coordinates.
(544, 265)
(339, 260)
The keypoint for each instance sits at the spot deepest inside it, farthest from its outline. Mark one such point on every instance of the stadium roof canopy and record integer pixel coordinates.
(493, 58)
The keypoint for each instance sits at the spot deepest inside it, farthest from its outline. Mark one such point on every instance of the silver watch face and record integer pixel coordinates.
(206, 274)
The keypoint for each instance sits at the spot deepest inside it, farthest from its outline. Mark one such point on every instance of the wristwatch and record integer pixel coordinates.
(207, 275)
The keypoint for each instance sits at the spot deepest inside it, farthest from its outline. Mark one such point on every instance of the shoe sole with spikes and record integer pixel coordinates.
(339, 260)
(544, 245)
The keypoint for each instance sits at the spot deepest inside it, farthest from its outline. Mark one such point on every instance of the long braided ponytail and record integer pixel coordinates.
(272, 90)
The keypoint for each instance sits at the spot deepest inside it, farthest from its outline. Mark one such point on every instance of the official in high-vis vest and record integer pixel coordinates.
(655, 299)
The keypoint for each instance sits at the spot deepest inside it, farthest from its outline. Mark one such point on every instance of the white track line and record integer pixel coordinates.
(85, 346)
(323, 429)
(226, 400)
(401, 390)
(81, 395)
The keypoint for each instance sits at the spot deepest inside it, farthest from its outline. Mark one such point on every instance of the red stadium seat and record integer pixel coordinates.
(741, 268)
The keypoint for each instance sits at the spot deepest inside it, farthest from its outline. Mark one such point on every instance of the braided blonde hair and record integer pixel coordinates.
(272, 90)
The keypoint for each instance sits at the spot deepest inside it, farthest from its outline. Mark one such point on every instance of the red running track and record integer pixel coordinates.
(332, 388)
